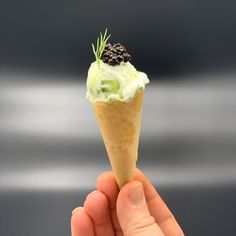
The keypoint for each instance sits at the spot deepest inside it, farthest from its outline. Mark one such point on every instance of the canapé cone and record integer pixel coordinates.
(119, 124)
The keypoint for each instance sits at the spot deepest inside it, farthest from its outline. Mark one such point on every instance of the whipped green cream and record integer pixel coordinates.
(108, 83)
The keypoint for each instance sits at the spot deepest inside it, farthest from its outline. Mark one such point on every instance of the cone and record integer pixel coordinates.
(119, 124)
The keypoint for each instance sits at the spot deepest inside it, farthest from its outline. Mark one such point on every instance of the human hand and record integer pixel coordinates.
(135, 210)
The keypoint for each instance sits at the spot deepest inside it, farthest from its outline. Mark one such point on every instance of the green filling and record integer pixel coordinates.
(110, 86)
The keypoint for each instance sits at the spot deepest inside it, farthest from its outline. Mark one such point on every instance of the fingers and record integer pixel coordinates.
(158, 208)
(81, 224)
(106, 184)
(133, 213)
(97, 207)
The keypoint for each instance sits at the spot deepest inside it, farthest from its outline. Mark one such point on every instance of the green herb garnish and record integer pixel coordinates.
(101, 43)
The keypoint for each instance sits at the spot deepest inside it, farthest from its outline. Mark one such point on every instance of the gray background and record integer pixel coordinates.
(163, 36)
(50, 148)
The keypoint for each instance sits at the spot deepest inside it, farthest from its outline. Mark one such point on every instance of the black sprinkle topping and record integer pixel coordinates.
(115, 54)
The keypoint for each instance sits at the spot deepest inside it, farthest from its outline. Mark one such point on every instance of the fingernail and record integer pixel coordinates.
(136, 195)
(77, 209)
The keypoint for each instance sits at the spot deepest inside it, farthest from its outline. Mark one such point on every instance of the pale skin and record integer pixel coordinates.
(136, 210)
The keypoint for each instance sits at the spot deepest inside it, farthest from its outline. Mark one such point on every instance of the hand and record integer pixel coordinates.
(135, 210)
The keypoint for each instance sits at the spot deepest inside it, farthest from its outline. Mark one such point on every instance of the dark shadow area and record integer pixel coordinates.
(165, 37)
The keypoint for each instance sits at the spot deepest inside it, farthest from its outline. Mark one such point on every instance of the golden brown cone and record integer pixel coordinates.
(119, 124)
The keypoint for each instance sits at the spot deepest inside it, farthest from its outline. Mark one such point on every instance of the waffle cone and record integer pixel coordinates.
(119, 124)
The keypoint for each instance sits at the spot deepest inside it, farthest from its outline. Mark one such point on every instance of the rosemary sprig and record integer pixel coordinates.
(100, 46)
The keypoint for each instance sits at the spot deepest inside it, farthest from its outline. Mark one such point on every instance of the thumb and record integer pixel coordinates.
(133, 214)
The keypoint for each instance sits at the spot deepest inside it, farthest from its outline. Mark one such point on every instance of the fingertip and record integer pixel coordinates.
(93, 204)
(79, 217)
(137, 170)
(97, 207)
(77, 210)
(149, 189)
(81, 224)
(130, 184)
(105, 178)
(90, 195)
(106, 184)
(125, 190)
(108, 172)
(140, 176)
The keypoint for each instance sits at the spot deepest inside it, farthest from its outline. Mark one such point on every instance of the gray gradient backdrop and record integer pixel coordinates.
(50, 148)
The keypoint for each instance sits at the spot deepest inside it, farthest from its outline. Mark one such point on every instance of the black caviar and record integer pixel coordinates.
(115, 54)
